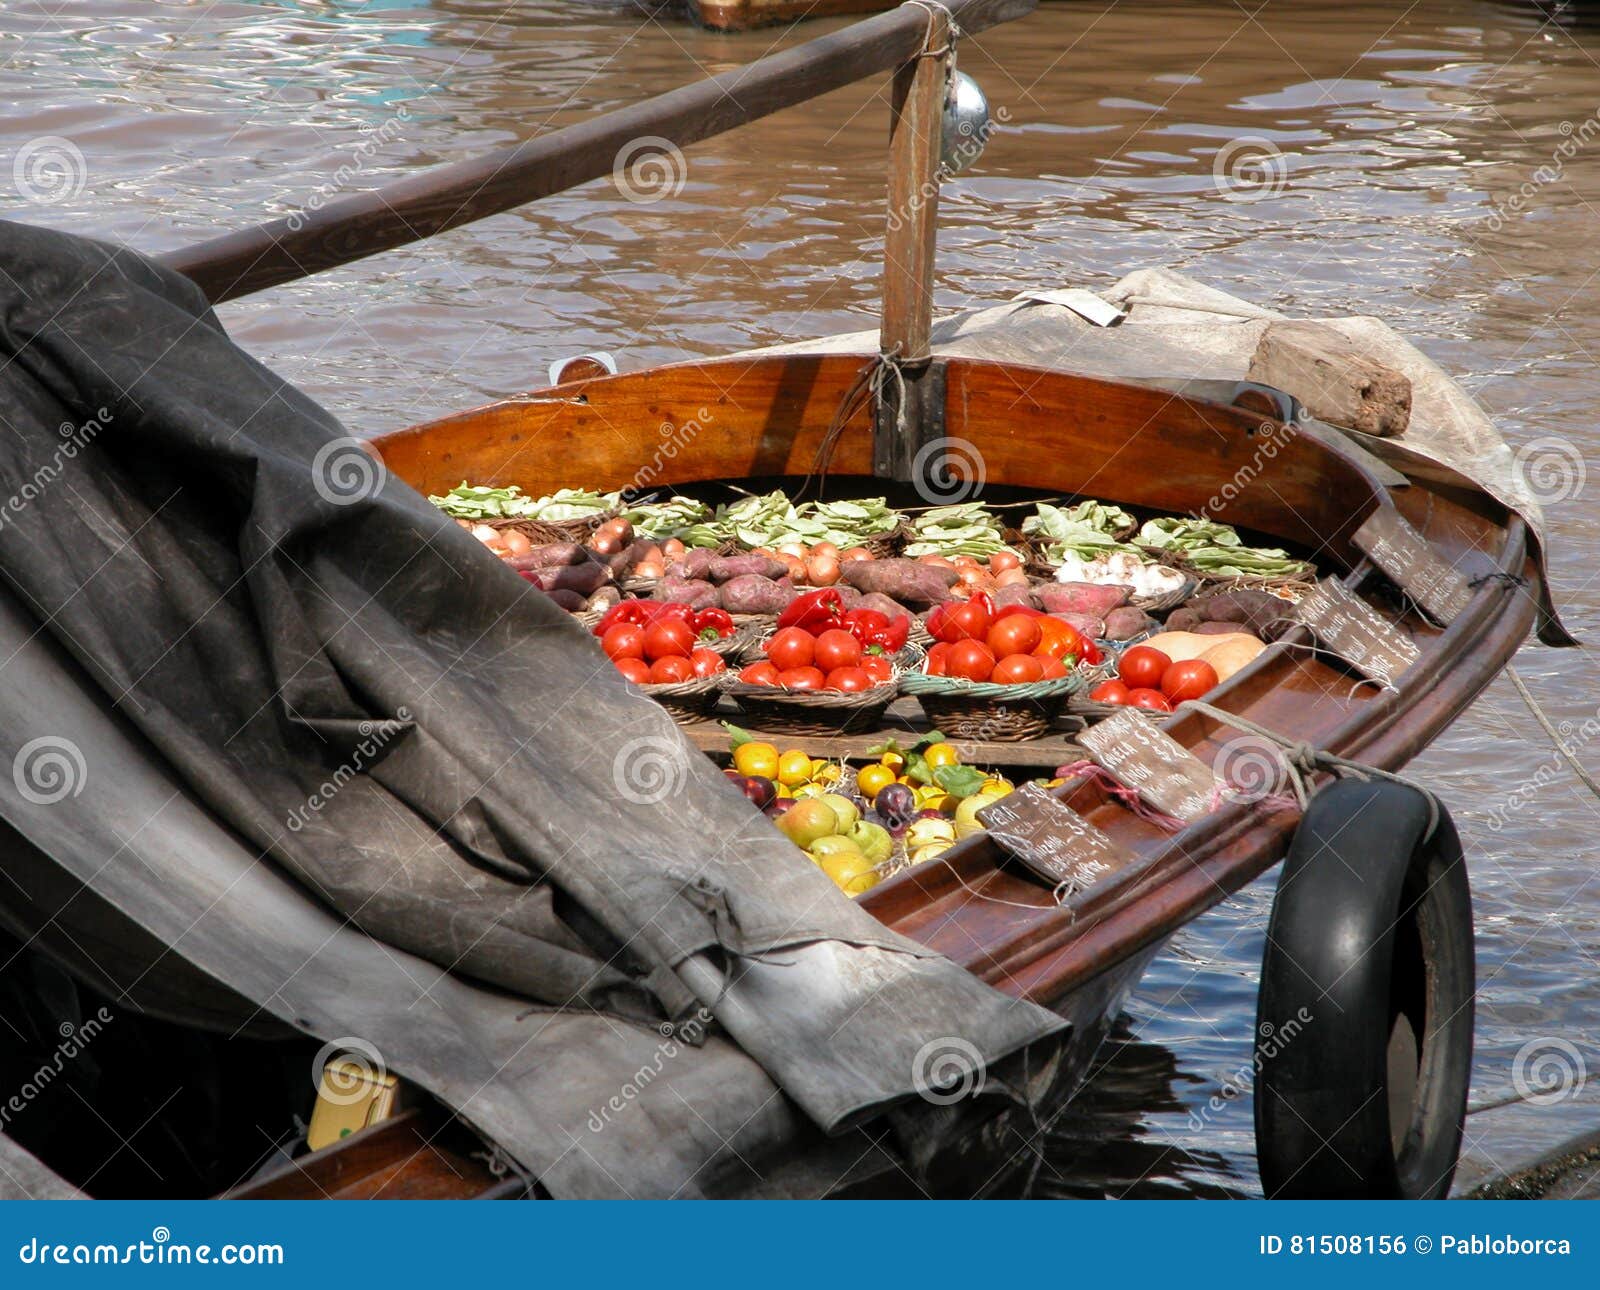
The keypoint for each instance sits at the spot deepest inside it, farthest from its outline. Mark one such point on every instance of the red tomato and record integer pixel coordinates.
(1018, 669)
(1153, 699)
(759, 674)
(852, 680)
(938, 663)
(837, 648)
(792, 647)
(670, 669)
(878, 668)
(668, 638)
(1054, 668)
(971, 659)
(624, 640)
(635, 669)
(801, 678)
(706, 662)
(1142, 667)
(1110, 692)
(1015, 634)
(1193, 678)
(969, 621)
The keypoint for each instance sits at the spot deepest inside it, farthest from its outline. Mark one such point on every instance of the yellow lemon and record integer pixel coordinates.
(794, 767)
(756, 759)
(894, 761)
(941, 755)
(871, 780)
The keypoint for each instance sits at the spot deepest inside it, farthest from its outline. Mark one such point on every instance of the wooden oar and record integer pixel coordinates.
(351, 228)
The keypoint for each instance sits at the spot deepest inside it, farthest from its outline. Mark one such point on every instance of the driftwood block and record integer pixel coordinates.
(1336, 382)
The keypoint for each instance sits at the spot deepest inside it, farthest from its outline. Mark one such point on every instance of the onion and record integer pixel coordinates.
(822, 570)
(485, 533)
(1012, 577)
(650, 569)
(1001, 561)
(856, 553)
(517, 542)
(672, 548)
(792, 549)
(825, 548)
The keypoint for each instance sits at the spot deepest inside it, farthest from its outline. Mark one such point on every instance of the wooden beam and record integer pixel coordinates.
(449, 196)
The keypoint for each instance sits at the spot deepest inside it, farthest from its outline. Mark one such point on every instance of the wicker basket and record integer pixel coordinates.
(754, 648)
(1169, 599)
(812, 712)
(686, 701)
(986, 711)
(543, 532)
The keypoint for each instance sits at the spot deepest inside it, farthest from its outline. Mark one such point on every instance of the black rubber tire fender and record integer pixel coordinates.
(1364, 1016)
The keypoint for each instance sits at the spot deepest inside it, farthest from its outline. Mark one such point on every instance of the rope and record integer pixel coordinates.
(1556, 740)
(1302, 760)
(934, 8)
(869, 381)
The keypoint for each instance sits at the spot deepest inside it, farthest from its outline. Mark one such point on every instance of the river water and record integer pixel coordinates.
(1400, 160)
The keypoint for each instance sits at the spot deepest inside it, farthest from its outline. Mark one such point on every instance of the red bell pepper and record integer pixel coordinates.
(872, 628)
(641, 613)
(814, 611)
(712, 624)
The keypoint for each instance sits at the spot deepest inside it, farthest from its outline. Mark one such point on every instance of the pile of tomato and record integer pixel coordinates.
(1008, 645)
(663, 652)
(833, 659)
(1147, 678)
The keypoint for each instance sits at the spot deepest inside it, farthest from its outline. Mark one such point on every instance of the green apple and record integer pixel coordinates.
(842, 861)
(846, 810)
(873, 839)
(808, 820)
(923, 832)
(967, 813)
(930, 852)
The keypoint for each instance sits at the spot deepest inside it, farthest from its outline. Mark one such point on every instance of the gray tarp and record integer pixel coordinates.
(263, 701)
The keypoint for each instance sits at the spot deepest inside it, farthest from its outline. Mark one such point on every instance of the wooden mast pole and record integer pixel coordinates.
(917, 112)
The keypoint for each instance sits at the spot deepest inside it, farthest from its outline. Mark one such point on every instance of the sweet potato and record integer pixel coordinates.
(850, 598)
(550, 556)
(1092, 627)
(693, 592)
(1184, 619)
(1095, 598)
(585, 579)
(882, 603)
(693, 565)
(1018, 593)
(750, 593)
(604, 599)
(728, 567)
(571, 601)
(1218, 629)
(1126, 623)
(908, 581)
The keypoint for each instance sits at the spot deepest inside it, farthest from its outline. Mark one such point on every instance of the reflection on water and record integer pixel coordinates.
(1432, 163)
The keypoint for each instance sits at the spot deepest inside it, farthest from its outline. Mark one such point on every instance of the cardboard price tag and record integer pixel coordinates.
(1349, 627)
(1410, 562)
(1154, 764)
(1052, 839)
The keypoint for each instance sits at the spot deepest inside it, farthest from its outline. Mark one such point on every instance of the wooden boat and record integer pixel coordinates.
(764, 417)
